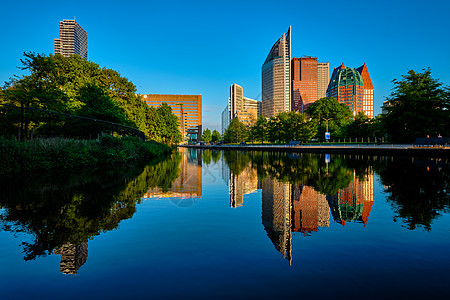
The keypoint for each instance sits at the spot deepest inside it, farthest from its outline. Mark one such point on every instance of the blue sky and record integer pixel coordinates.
(202, 47)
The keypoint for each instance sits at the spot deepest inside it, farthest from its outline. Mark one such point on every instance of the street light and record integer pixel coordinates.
(326, 130)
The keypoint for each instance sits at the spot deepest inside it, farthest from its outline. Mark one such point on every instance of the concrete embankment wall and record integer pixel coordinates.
(385, 150)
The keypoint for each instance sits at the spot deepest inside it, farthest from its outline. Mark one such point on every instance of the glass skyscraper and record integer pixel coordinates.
(276, 77)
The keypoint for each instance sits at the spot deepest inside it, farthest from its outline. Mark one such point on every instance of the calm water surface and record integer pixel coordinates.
(242, 225)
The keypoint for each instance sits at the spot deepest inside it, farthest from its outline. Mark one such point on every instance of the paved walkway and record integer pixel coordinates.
(368, 149)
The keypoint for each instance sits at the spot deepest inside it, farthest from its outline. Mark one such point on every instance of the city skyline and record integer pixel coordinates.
(128, 39)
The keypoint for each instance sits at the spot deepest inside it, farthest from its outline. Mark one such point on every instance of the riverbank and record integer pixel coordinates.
(59, 154)
(370, 149)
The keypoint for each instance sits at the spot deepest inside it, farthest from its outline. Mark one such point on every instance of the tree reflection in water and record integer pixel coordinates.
(419, 189)
(63, 212)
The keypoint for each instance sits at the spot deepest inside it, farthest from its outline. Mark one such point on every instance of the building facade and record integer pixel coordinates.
(72, 39)
(304, 74)
(276, 77)
(188, 108)
(347, 86)
(323, 77)
(246, 109)
(226, 115)
(368, 98)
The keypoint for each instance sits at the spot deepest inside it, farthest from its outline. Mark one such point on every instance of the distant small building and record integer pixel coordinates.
(188, 108)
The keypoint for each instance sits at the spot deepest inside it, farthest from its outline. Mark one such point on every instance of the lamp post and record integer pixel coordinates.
(326, 130)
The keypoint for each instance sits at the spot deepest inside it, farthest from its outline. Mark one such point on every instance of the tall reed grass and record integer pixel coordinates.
(60, 154)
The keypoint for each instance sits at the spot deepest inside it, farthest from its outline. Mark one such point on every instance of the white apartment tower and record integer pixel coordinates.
(72, 39)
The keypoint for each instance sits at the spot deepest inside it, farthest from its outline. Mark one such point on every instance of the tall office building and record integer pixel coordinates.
(276, 77)
(323, 77)
(347, 86)
(368, 98)
(354, 88)
(304, 74)
(188, 108)
(72, 39)
(226, 115)
(246, 109)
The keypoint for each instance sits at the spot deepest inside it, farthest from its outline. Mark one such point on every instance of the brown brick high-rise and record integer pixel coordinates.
(304, 74)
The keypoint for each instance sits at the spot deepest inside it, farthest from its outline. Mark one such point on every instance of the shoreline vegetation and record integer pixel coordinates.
(62, 154)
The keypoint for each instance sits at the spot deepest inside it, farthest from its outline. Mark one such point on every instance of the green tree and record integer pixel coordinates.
(236, 132)
(56, 82)
(328, 112)
(32, 92)
(215, 136)
(418, 106)
(259, 129)
(359, 127)
(169, 130)
(206, 135)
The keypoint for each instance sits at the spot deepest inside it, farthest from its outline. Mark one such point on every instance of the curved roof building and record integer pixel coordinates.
(276, 77)
(347, 86)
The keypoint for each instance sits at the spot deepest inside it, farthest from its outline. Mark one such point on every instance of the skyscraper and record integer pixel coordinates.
(246, 109)
(304, 82)
(323, 77)
(347, 86)
(276, 77)
(72, 39)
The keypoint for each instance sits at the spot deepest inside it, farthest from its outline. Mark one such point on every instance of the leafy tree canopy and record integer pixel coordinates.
(77, 86)
(329, 110)
(418, 106)
(206, 135)
(236, 132)
(215, 136)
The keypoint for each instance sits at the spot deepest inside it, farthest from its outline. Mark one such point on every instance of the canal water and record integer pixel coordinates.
(231, 225)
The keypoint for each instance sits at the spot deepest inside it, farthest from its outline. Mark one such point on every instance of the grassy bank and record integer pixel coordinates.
(57, 154)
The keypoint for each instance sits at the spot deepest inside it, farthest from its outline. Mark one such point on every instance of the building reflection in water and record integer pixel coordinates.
(354, 203)
(288, 208)
(72, 257)
(187, 188)
(310, 210)
(276, 214)
(240, 184)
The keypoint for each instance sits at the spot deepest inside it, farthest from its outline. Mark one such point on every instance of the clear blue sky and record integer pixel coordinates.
(202, 47)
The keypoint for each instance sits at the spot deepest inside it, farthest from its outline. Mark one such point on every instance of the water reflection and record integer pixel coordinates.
(301, 194)
(72, 257)
(186, 186)
(418, 189)
(299, 191)
(61, 213)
